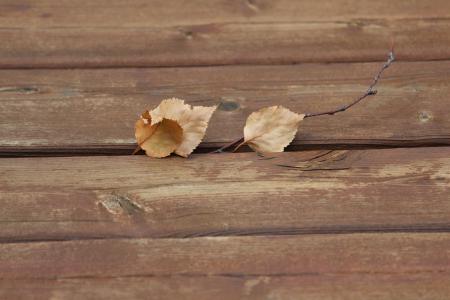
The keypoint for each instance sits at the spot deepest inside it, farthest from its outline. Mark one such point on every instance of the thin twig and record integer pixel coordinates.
(369, 92)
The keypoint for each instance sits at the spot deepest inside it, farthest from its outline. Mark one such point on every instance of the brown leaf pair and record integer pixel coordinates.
(173, 126)
(177, 127)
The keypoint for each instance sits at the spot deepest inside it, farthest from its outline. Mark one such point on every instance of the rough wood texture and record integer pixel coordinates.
(53, 33)
(321, 224)
(96, 109)
(388, 253)
(322, 266)
(426, 286)
(225, 194)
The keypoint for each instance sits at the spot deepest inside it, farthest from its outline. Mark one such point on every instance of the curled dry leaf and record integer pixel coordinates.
(271, 129)
(172, 127)
(160, 139)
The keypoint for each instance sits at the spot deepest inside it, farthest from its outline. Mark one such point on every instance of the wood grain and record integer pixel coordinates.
(103, 33)
(427, 286)
(225, 194)
(95, 110)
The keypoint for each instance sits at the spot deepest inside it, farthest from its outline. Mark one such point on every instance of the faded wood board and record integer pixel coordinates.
(152, 33)
(48, 13)
(385, 253)
(225, 194)
(314, 286)
(378, 266)
(95, 110)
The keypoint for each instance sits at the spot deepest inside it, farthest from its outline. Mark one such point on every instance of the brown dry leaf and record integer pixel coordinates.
(271, 129)
(158, 140)
(172, 109)
(172, 127)
(194, 123)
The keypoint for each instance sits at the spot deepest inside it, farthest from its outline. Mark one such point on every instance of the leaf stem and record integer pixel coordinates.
(240, 145)
(138, 147)
(221, 149)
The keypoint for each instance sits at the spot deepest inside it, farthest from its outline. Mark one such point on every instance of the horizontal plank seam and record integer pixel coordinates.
(242, 233)
(117, 150)
(235, 275)
(151, 66)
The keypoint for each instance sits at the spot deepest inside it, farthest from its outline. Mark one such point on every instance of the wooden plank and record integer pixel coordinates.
(225, 194)
(316, 287)
(141, 13)
(95, 110)
(387, 253)
(104, 33)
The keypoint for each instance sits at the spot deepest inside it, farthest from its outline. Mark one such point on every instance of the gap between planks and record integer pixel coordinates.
(107, 150)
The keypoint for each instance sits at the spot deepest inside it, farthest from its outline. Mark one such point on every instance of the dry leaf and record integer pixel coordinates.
(271, 129)
(172, 127)
(158, 140)
(172, 109)
(194, 123)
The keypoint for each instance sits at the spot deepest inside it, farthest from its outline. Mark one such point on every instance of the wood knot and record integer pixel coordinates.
(19, 89)
(425, 116)
(228, 105)
(187, 33)
(120, 204)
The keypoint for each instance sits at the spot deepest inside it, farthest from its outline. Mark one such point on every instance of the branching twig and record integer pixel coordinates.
(369, 92)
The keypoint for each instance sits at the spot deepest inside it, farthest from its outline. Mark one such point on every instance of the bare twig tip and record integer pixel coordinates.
(392, 44)
(369, 92)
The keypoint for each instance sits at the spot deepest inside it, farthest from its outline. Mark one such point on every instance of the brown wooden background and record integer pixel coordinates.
(363, 211)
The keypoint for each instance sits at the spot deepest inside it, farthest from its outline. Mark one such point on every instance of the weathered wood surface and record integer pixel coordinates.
(225, 194)
(322, 266)
(388, 253)
(53, 33)
(95, 110)
(321, 224)
(424, 286)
